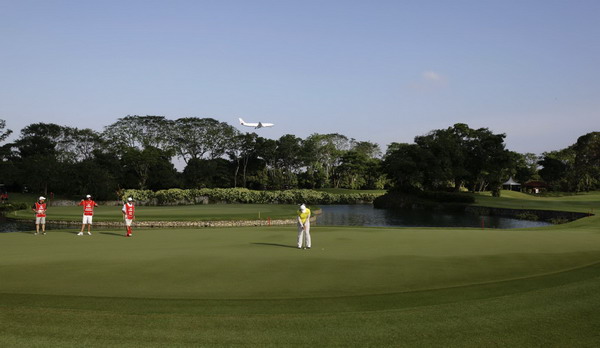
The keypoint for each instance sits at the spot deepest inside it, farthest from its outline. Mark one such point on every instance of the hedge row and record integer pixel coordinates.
(242, 195)
(8, 207)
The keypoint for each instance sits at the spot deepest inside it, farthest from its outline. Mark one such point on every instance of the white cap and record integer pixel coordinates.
(302, 208)
(129, 199)
(41, 198)
(88, 196)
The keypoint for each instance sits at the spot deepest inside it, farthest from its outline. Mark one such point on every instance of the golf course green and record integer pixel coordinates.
(357, 286)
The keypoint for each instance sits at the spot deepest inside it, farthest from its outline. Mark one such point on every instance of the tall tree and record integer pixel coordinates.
(587, 162)
(242, 149)
(359, 166)
(139, 132)
(4, 133)
(149, 168)
(322, 155)
(288, 159)
(201, 138)
(406, 165)
(557, 167)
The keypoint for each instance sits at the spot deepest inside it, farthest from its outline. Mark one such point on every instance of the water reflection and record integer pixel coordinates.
(357, 215)
(367, 215)
(29, 226)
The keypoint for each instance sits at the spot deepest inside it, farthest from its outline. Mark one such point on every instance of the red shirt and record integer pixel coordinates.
(88, 206)
(129, 210)
(40, 207)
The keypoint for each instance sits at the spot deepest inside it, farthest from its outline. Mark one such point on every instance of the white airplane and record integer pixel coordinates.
(255, 125)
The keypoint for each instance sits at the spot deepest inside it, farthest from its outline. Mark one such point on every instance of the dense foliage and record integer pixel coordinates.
(576, 168)
(242, 195)
(137, 152)
(460, 157)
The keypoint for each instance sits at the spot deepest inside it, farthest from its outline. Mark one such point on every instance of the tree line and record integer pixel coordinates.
(136, 152)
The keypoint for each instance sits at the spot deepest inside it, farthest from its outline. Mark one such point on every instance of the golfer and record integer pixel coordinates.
(129, 215)
(88, 213)
(303, 227)
(39, 208)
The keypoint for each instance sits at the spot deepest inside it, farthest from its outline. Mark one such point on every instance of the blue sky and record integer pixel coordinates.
(383, 71)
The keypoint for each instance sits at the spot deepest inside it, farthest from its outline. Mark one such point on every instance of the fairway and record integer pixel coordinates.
(356, 287)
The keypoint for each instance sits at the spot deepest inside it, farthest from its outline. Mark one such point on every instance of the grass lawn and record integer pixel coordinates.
(208, 212)
(582, 202)
(364, 287)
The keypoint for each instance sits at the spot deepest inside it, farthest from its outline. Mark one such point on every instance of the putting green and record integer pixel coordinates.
(363, 287)
(262, 262)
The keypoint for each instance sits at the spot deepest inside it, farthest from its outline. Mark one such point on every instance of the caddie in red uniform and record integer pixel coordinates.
(88, 213)
(39, 208)
(129, 215)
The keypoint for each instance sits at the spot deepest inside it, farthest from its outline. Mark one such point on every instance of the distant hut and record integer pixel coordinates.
(511, 185)
(535, 186)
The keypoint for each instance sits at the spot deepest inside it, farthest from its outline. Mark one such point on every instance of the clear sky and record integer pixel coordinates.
(383, 71)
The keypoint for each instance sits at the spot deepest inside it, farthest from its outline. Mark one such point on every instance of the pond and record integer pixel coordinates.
(367, 215)
(360, 215)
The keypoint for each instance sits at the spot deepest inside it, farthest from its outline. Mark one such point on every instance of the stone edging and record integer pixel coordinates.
(222, 223)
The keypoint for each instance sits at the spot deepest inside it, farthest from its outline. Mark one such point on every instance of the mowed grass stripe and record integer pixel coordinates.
(564, 315)
(262, 262)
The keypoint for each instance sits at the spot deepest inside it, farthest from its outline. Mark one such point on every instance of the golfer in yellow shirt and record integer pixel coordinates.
(304, 227)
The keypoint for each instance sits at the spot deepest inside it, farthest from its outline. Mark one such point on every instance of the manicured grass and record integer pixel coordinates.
(209, 212)
(582, 202)
(357, 287)
(29, 198)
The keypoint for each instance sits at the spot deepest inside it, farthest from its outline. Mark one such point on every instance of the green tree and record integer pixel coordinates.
(557, 167)
(288, 160)
(587, 162)
(407, 166)
(197, 138)
(201, 173)
(4, 133)
(322, 155)
(150, 168)
(242, 150)
(139, 132)
(524, 167)
(360, 167)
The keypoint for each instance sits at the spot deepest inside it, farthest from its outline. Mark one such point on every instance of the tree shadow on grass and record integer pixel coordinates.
(277, 245)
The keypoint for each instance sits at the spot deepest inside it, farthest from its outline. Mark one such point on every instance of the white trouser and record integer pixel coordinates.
(304, 234)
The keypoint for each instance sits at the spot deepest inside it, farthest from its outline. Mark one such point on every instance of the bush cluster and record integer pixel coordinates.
(8, 207)
(527, 216)
(243, 195)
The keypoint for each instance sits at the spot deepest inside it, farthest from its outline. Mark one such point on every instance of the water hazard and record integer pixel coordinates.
(360, 215)
(367, 215)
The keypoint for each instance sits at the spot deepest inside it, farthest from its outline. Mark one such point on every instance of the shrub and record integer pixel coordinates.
(8, 207)
(527, 216)
(243, 195)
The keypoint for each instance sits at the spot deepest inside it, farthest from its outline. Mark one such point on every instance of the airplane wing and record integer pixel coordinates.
(260, 125)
